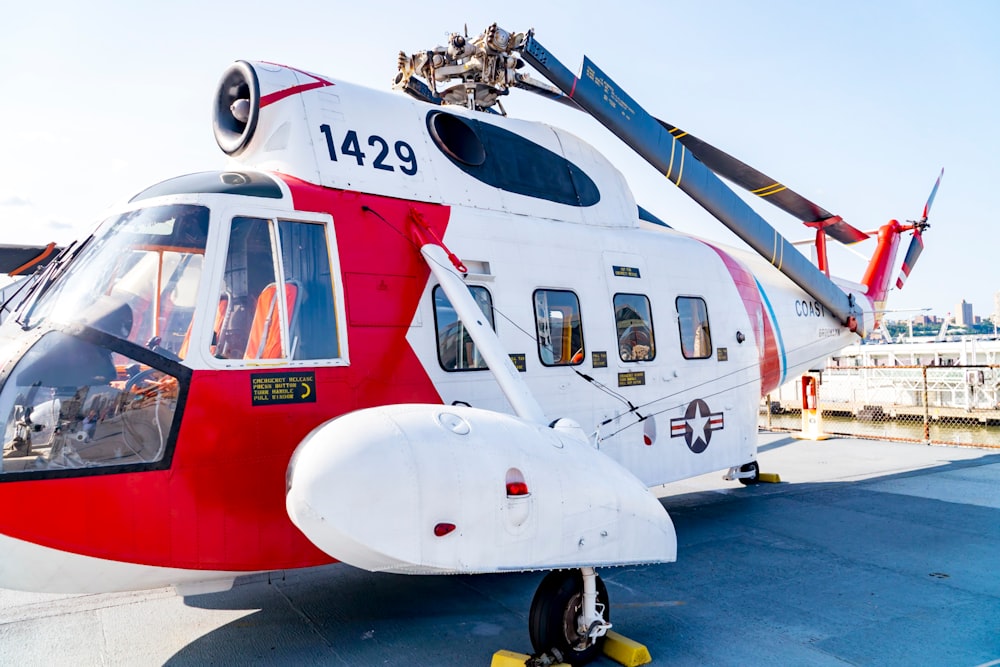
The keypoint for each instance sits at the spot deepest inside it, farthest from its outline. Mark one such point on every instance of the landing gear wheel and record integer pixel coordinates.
(552, 623)
(750, 467)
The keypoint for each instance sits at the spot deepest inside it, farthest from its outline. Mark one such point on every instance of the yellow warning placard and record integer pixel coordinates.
(519, 362)
(289, 387)
(626, 271)
(633, 379)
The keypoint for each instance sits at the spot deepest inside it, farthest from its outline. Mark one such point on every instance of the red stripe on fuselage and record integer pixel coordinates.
(318, 82)
(221, 505)
(767, 344)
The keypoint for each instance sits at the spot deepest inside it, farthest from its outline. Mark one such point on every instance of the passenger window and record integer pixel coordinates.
(557, 322)
(456, 351)
(635, 327)
(692, 319)
(277, 299)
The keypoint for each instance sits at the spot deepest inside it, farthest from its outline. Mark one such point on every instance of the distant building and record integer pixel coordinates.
(996, 308)
(963, 314)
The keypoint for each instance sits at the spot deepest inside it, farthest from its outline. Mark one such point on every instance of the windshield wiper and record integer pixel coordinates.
(52, 271)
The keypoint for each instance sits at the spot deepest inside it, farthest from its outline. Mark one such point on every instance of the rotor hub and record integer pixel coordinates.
(474, 73)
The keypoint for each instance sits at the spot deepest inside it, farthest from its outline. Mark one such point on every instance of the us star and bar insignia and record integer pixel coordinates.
(697, 425)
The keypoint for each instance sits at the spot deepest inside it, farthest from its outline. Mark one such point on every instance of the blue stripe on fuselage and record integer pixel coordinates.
(777, 330)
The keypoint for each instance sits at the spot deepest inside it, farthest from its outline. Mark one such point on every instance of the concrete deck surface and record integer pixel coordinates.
(867, 553)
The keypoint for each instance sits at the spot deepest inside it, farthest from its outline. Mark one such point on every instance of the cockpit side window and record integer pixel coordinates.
(305, 261)
(277, 298)
(249, 270)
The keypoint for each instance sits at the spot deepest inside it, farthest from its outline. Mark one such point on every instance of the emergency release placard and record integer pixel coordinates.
(278, 388)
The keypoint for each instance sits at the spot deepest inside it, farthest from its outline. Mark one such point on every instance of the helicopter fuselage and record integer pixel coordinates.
(160, 378)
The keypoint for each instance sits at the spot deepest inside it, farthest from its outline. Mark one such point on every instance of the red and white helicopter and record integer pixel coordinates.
(408, 333)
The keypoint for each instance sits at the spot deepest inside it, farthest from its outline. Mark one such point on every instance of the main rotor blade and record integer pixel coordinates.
(748, 178)
(18, 260)
(616, 110)
(756, 182)
(525, 82)
(734, 170)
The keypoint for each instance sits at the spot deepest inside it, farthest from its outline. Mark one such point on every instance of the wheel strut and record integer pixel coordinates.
(592, 622)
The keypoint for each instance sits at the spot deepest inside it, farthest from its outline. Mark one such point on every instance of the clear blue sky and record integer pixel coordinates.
(856, 105)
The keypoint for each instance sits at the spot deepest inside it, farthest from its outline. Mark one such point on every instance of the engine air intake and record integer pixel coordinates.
(236, 108)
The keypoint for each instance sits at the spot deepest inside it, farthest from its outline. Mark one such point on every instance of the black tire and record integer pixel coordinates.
(556, 605)
(750, 467)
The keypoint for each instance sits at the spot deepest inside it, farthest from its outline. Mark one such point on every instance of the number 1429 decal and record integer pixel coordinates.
(350, 147)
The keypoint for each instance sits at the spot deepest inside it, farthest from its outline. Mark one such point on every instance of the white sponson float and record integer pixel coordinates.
(464, 490)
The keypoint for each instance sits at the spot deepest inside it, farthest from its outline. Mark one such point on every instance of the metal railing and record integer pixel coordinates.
(954, 405)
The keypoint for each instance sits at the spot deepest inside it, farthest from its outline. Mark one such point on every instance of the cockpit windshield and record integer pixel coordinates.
(78, 399)
(136, 279)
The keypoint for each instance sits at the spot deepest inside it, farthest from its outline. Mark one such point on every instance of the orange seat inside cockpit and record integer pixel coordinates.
(220, 316)
(265, 328)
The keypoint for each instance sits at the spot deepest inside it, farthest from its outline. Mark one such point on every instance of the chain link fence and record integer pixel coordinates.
(951, 405)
